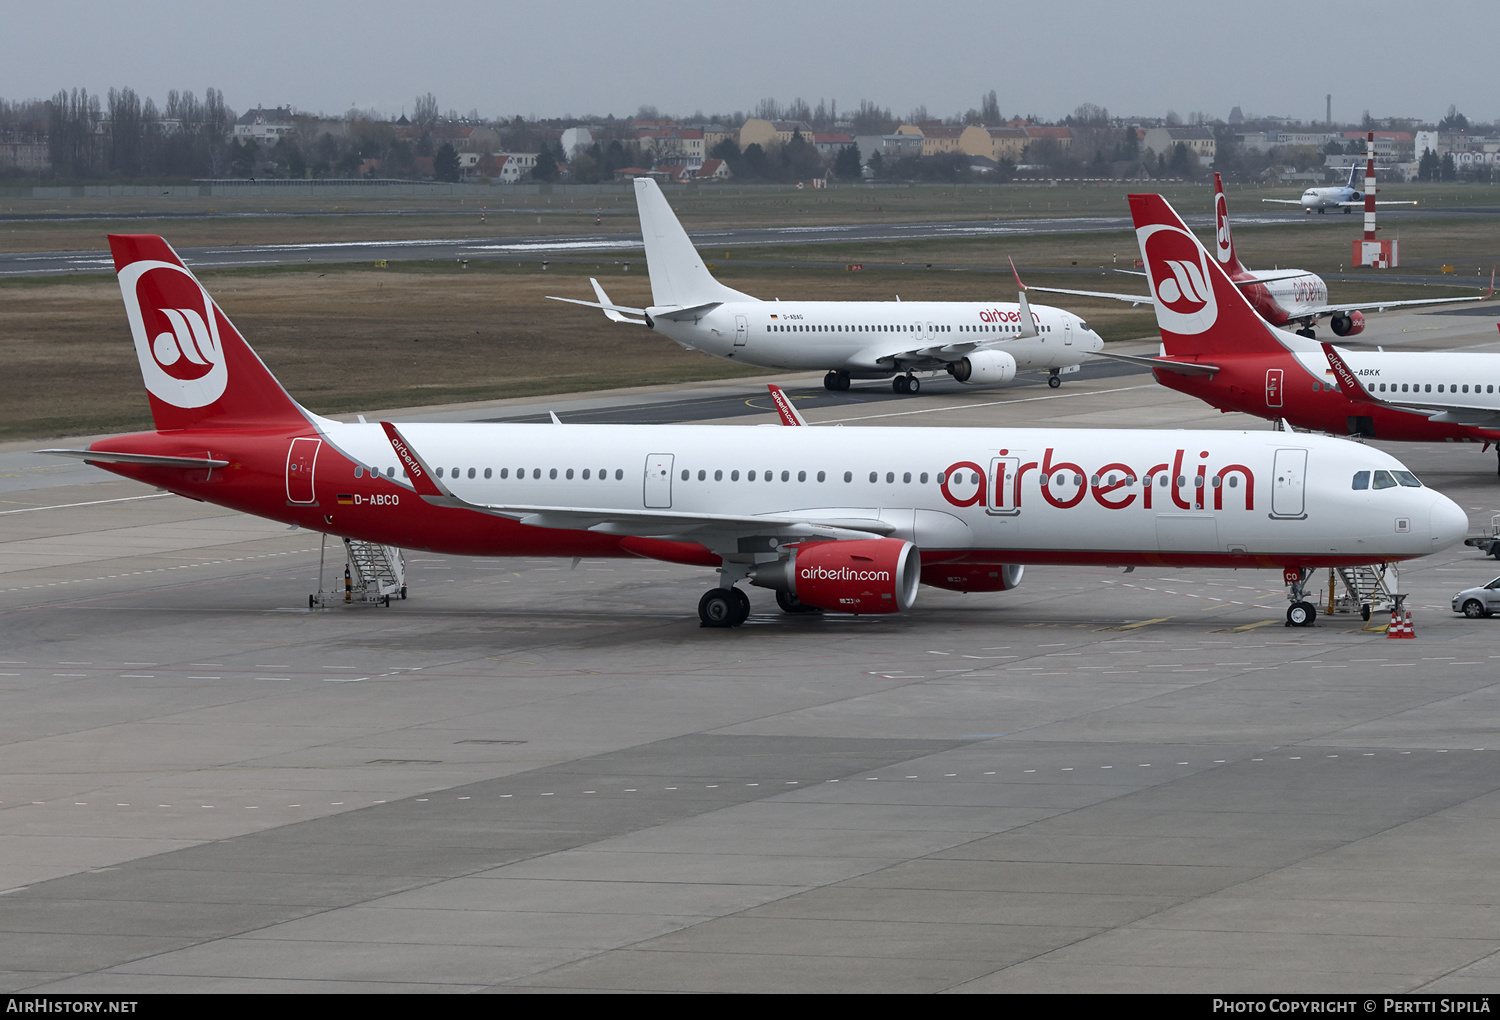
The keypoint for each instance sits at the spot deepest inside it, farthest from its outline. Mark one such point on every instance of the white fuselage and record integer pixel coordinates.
(1024, 495)
(1442, 377)
(877, 337)
(1329, 198)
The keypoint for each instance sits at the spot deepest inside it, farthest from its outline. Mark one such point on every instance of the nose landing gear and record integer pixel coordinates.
(1301, 613)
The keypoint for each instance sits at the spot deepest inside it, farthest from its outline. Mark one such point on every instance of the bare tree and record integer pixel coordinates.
(989, 108)
(425, 112)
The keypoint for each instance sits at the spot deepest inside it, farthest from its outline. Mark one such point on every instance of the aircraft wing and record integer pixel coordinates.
(717, 531)
(1378, 201)
(612, 311)
(1381, 306)
(1286, 201)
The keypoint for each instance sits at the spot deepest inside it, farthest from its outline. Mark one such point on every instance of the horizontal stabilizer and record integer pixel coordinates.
(1165, 364)
(152, 460)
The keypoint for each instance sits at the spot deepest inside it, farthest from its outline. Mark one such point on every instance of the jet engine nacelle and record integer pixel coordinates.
(1348, 325)
(973, 576)
(864, 576)
(984, 367)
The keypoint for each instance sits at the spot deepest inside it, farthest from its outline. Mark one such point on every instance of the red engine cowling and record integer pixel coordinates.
(875, 575)
(1348, 325)
(973, 576)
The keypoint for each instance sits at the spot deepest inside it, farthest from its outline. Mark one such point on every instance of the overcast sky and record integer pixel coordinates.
(568, 57)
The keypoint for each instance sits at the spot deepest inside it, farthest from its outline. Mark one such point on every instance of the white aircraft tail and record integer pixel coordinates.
(678, 276)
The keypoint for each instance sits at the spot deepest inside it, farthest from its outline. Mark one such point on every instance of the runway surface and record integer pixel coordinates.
(531, 777)
(541, 245)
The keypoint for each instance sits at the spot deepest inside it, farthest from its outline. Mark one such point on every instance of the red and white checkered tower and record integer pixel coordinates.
(1370, 252)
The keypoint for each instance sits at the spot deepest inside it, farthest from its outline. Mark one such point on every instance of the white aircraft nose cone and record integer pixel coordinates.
(1449, 523)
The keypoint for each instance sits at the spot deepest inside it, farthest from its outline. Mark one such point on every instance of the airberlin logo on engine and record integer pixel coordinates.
(843, 574)
(176, 330)
(1181, 278)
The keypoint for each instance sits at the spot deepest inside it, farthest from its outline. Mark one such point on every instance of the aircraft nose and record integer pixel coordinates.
(1096, 342)
(1449, 524)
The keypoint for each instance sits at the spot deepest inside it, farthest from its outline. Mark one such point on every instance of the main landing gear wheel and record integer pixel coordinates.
(723, 607)
(906, 384)
(1054, 380)
(831, 381)
(790, 603)
(1309, 332)
(1301, 614)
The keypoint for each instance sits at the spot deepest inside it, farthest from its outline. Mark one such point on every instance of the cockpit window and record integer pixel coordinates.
(1407, 479)
(1383, 480)
(1361, 480)
(1083, 326)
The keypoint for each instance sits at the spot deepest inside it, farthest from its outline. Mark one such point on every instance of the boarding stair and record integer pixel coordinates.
(373, 574)
(1364, 589)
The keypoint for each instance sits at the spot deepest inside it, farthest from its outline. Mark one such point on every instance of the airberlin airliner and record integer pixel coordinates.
(975, 342)
(1419, 396)
(846, 520)
(1283, 297)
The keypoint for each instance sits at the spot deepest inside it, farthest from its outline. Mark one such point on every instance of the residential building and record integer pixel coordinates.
(265, 126)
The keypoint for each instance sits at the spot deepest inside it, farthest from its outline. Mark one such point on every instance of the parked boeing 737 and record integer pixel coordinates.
(975, 342)
(847, 520)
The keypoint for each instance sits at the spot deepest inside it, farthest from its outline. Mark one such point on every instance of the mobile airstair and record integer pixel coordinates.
(1364, 589)
(373, 574)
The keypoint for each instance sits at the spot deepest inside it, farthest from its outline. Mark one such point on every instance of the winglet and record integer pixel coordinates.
(421, 476)
(1348, 381)
(1028, 323)
(1015, 273)
(784, 408)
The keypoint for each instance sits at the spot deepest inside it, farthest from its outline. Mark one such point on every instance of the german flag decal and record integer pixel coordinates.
(346, 499)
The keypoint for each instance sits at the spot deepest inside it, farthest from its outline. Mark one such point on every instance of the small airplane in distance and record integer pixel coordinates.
(1253, 368)
(1283, 297)
(847, 520)
(1347, 197)
(980, 343)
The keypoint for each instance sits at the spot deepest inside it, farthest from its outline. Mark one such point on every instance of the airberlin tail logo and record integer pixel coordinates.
(1221, 227)
(1181, 278)
(176, 331)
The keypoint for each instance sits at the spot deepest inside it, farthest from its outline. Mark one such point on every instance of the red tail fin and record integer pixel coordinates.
(1224, 240)
(1198, 309)
(198, 370)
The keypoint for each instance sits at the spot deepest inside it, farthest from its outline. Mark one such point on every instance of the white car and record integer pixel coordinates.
(1477, 602)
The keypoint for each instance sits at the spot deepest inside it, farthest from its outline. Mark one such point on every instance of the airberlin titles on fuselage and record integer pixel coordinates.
(1000, 485)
